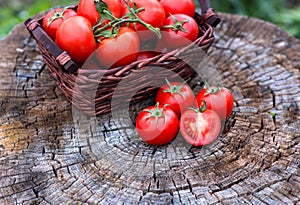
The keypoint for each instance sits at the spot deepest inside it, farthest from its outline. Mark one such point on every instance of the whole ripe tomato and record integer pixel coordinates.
(179, 30)
(53, 19)
(120, 50)
(157, 125)
(176, 94)
(75, 36)
(152, 14)
(89, 9)
(179, 7)
(200, 127)
(217, 99)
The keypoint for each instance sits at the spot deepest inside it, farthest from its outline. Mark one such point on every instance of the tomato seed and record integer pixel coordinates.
(190, 129)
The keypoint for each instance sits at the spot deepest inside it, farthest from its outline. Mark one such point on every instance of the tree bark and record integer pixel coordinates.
(51, 153)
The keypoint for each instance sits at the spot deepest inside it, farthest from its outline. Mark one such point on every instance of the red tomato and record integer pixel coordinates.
(119, 51)
(157, 125)
(219, 100)
(88, 9)
(123, 7)
(179, 30)
(176, 94)
(152, 14)
(76, 37)
(200, 127)
(145, 55)
(53, 19)
(179, 7)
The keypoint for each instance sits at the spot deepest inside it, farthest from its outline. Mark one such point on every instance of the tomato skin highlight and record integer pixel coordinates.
(159, 132)
(145, 55)
(179, 38)
(53, 26)
(87, 9)
(179, 102)
(75, 36)
(179, 7)
(200, 129)
(119, 51)
(221, 102)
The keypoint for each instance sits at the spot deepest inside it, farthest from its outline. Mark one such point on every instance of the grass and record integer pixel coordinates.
(284, 13)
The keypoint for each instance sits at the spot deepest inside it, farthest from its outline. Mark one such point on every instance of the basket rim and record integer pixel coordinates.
(67, 73)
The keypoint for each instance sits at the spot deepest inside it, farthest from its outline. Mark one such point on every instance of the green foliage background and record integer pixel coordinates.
(284, 13)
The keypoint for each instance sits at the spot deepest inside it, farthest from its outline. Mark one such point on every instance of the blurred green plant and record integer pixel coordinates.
(280, 12)
(290, 21)
(284, 13)
(13, 12)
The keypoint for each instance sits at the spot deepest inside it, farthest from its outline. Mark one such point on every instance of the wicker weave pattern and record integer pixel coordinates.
(91, 90)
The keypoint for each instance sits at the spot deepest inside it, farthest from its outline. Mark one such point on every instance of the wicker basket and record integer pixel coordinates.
(92, 90)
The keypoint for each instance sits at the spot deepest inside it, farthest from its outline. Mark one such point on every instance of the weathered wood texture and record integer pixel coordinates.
(51, 154)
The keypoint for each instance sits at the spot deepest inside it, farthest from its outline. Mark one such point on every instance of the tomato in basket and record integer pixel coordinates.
(172, 7)
(118, 50)
(157, 125)
(75, 36)
(104, 10)
(53, 19)
(152, 13)
(179, 30)
(200, 127)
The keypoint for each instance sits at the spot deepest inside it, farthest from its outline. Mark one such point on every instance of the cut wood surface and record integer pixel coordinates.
(51, 153)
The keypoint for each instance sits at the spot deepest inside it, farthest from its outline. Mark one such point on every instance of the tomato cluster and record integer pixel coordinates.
(119, 31)
(198, 118)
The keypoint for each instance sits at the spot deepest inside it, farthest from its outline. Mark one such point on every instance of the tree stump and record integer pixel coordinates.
(50, 153)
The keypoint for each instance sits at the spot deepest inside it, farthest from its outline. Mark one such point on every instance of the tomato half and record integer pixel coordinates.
(157, 125)
(53, 19)
(200, 128)
(176, 94)
(179, 7)
(179, 30)
(219, 100)
(75, 36)
(120, 50)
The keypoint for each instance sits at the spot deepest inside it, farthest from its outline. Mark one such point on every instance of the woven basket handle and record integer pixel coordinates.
(60, 56)
(208, 13)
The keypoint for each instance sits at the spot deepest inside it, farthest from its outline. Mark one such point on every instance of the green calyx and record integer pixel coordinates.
(201, 108)
(211, 90)
(115, 23)
(177, 25)
(57, 15)
(174, 89)
(157, 112)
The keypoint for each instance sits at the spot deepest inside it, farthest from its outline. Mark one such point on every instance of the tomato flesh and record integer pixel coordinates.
(200, 128)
